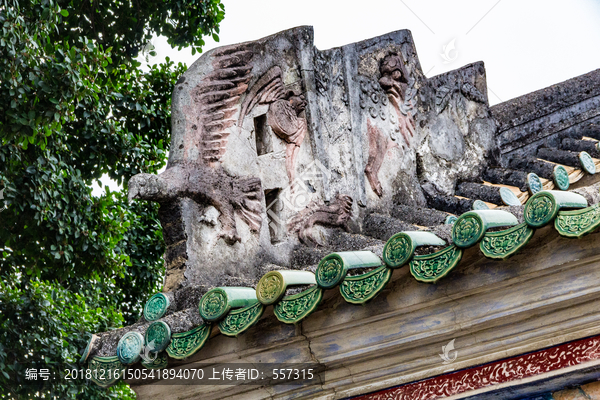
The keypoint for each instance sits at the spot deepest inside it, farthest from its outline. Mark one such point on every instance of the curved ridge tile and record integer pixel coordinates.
(186, 344)
(157, 336)
(240, 320)
(293, 309)
(88, 349)
(156, 307)
(106, 371)
(159, 362)
(450, 219)
(561, 177)
(129, 347)
(432, 267)
(503, 244)
(577, 223)
(362, 288)
(217, 302)
(471, 226)
(534, 183)
(272, 286)
(333, 268)
(509, 198)
(587, 163)
(543, 206)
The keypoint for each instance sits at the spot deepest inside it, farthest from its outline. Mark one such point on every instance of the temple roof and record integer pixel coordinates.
(456, 177)
(575, 215)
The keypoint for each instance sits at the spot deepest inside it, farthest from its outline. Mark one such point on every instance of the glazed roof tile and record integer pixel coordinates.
(185, 317)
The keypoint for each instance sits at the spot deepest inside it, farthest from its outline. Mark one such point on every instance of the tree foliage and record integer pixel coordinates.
(76, 106)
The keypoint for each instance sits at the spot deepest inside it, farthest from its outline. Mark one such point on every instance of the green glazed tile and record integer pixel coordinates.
(186, 344)
(158, 334)
(432, 267)
(239, 320)
(501, 245)
(293, 309)
(471, 226)
(156, 307)
(577, 223)
(106, 371)
(159, 362)
(362, 288)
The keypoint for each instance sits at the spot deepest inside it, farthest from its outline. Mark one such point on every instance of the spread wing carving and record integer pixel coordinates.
(215, 101)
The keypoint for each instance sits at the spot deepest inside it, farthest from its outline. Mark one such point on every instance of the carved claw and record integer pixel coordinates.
(345, 210)
(250, 202)
(336, 214)
(306, 237)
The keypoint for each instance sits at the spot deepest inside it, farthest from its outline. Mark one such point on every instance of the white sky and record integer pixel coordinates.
(526, 44)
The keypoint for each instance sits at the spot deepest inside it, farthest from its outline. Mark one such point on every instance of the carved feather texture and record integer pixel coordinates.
(409, 106)
(216, 97)
(297, 222)
(442, 98)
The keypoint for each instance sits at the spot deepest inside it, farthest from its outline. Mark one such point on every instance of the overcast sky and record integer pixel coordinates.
(526, 44)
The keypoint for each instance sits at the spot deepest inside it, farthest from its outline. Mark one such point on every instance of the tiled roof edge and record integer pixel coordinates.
(236, 309)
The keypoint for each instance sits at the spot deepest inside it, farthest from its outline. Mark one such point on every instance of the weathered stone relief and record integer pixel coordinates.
(335, 214)
(335, 122)
(394, 80)
(458, 132)
(449, 95)
(199, 175)
(379, 144)
(388, 82)
(238, 125)
(284, 115)
(273, 138)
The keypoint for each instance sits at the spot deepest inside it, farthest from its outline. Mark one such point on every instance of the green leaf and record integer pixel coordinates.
(77, 107)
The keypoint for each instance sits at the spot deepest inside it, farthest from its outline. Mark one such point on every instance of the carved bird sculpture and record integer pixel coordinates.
(197, 172)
